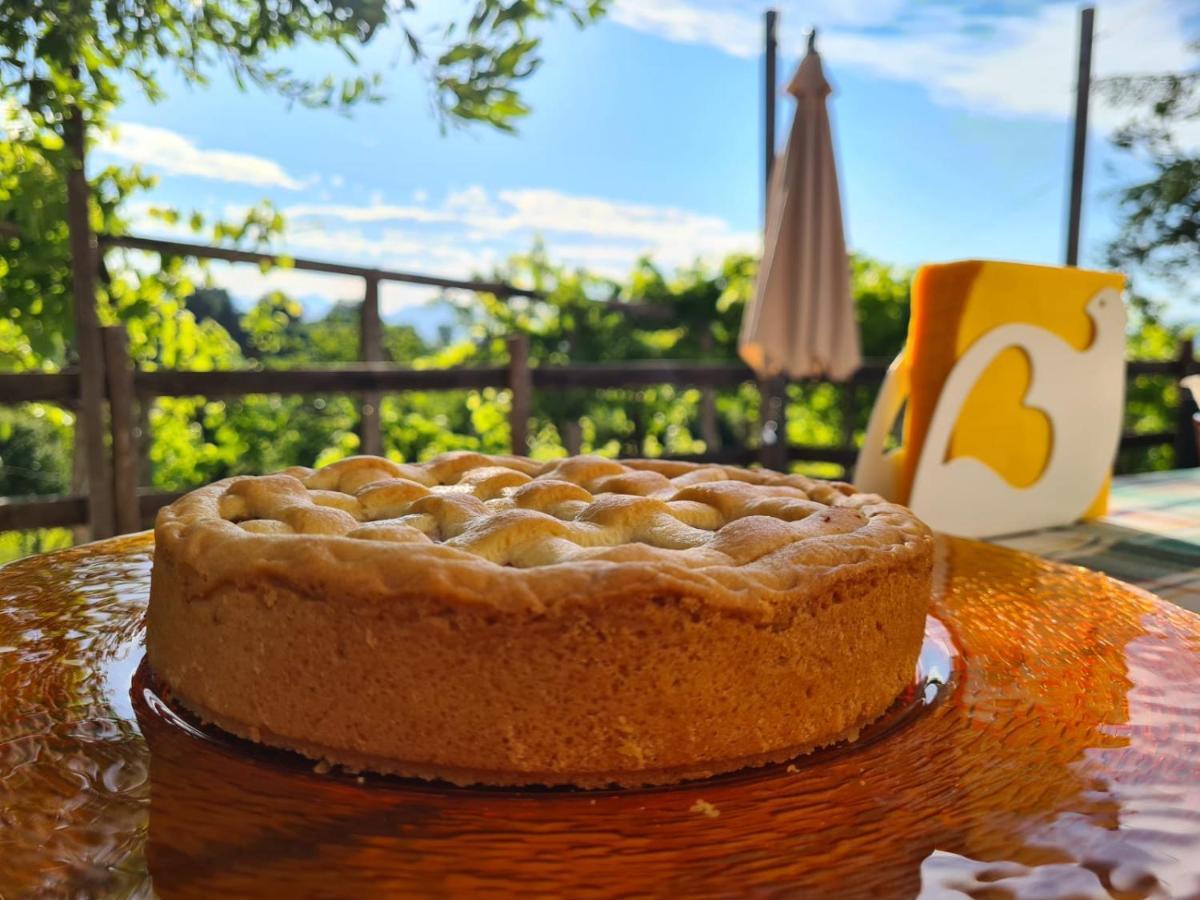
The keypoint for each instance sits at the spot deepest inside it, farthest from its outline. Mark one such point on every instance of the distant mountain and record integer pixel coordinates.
(434, 321)
(216, 304)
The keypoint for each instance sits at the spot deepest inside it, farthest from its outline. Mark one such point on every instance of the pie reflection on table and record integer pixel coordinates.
(1062, 758)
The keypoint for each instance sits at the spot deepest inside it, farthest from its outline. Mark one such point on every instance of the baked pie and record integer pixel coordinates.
(497, 620)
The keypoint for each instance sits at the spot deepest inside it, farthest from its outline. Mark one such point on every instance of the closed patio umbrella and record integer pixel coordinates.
(801, 321)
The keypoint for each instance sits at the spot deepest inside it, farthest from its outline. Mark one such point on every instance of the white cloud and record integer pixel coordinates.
(732, 31)
(1015, 64)
(494, 225)
(1025, 66)
(350, 243)
(737, 28)
(394, 249)
(525, 210)
(554, 211)
(176, 154)
(249, 282)
(672, 237)
(468, 234)
(471, 201)
(376, 211)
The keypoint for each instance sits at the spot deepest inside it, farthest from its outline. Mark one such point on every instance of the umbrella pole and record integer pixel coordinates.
(769, 91)
(1083, 84)
(772, 412)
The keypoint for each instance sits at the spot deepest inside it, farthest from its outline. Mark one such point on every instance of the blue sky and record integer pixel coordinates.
(951, 122)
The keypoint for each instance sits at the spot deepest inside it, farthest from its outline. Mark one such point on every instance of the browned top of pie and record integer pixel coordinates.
(513, 533)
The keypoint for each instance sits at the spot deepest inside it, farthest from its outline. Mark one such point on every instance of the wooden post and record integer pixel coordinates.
(849, 408)
(89, 424)
(520, 382)
(1083, 88)
(119, 370)
(709, 431)
(772, 414)
(635, 446)
(141, 408)
(145, 468)
(1187, 454)
(571, 432)
(370, 432)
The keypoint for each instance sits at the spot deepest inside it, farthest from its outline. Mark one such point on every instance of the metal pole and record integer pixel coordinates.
(1083, 86)
(769, 91)
(772, 453)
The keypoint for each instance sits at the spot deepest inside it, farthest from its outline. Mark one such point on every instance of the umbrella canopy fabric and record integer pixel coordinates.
(801, 321)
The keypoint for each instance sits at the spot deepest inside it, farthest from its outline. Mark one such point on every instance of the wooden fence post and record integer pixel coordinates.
(89, 423)
(710, 433)
(520, 382)
(145, 468)
(371, 338)
(1187, 454)
(636, 445)
(123, 427)
(849, 408)
(571, 432)
(772, 416)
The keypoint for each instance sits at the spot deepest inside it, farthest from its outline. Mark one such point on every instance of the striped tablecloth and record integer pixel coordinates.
(1151, 536)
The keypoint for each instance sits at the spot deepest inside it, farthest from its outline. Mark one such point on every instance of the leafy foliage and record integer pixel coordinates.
(1159, 237)
(474, 77)
(57, 55)
(1160, 234)
(34, 449)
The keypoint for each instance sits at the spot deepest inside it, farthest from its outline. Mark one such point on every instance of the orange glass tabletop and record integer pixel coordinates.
(1049, 746)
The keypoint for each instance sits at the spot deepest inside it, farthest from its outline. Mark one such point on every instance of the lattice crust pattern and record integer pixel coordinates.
(516, 512)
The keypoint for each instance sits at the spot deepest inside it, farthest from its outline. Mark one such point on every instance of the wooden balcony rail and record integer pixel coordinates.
(283, 260)
(134, 506)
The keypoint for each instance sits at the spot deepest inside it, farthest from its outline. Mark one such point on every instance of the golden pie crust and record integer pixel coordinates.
(502, 621)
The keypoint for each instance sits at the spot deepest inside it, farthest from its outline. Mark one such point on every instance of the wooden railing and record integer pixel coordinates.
(134, 505)
(113, 489)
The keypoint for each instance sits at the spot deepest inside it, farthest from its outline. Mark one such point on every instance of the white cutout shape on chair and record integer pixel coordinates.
(1081, 393)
